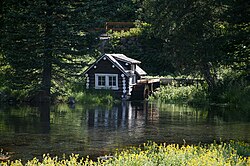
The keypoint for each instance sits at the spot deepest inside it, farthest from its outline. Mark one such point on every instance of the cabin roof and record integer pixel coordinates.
(140, 71)
(114, 58)
(117, 64)
(124, 58)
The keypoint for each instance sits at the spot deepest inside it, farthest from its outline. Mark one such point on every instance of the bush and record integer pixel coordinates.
(174, 154)
(235, 91)
(182, 94)
(153, 154)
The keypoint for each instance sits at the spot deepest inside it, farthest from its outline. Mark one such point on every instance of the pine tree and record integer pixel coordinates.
(45, 42)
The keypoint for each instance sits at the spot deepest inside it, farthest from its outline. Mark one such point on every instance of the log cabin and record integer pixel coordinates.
(116, 72)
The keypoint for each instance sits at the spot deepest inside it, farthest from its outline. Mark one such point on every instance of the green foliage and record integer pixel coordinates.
(242, 148)
(153, 154)
(181, 94)
(139, 43)
(133, 32)
(233, 89)
(112, 11)
(187, 29)
(45, 43)
(238, 46)
(202, 35)
(96, 97)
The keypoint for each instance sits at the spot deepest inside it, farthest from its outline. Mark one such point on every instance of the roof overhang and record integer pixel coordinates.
(112, 60)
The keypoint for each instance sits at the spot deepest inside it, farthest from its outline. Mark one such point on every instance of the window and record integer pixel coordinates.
(101, 81)
(106, 81)
(112, 81)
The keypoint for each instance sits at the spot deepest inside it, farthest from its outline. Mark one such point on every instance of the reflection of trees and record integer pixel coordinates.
(88, 130)
(25, 119)
(44, 109)
(225, 114)
(182, 114)
(19, 119)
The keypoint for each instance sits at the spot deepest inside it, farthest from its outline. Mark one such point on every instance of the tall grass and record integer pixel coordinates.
(236, 93)
(232, 92)
(153, 154)
(95, 97)
(181, 94)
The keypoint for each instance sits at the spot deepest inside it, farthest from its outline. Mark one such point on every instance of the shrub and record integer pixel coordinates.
(153, 154)
(174, 154)
(234, 90)
(182, 94)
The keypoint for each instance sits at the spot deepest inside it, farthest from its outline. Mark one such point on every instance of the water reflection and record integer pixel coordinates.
(44, 110)
(95, 130)
(121, 116)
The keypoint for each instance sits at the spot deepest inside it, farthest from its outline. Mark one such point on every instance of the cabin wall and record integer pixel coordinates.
(107, 67)
(128, 66)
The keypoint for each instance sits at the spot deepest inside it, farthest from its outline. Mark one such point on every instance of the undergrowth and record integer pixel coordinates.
(181, 94)
(95, 97)
(153, 154)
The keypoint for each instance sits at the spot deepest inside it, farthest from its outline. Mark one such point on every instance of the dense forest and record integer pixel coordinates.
(47, 44)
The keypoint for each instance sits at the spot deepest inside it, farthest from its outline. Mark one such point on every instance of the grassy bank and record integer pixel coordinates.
(181, 94)
(99, 97)
(234, 153)
(231, 93)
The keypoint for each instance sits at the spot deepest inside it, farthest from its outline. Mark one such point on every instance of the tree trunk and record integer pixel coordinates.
(47, 60)
(208, 76)
(47, 75)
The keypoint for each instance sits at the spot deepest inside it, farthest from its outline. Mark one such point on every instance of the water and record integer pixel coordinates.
(26, 132)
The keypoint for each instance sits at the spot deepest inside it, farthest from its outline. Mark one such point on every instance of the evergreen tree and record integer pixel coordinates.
(45, 42)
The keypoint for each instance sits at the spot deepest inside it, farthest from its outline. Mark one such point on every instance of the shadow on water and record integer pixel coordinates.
(44, 110)
(228, 115)
(95, 130)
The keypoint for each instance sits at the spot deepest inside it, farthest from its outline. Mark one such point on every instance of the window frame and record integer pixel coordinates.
(107, 85)
(101, 82)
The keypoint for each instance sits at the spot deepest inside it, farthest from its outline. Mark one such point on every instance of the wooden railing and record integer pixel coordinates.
(117, 26)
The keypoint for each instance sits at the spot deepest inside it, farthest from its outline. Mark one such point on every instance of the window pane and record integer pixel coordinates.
(101, 80)
(110, 81)
(114, 81)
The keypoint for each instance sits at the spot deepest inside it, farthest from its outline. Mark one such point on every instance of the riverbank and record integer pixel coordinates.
(233, 153)
(236, 95)
(96, 97)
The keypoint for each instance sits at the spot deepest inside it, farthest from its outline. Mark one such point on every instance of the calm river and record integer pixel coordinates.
(27, 132)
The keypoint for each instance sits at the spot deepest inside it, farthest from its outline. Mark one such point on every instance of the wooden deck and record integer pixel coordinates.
(144, 88)
(147, 86)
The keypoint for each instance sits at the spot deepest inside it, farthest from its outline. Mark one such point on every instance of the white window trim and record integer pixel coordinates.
(106, 81)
